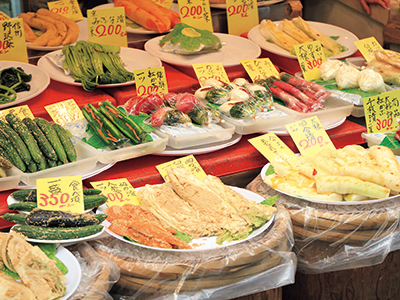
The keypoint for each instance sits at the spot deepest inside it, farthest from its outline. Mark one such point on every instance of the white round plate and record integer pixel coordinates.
(346, 38)
(139, 30)
(133, 59)
(328, 124)
(234, 49)
(203, 243)
(74, 271)
(259, 4)
(202, 149)
(83, 36)
(39, 82)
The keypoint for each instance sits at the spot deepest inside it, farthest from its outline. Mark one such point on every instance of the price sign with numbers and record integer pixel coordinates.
(367, 47)
(196, 13)
(273, 149)
(67, 8)
(382, 112)
(188, 162)
(242, 15)
(309, 136)
(259, 68)
(118, 191)
(4, 16)
(107, 26)
(12, 42)
(310, 57)
(150, 80)
(205, 71)
(64, 112)
(19, 111)
(60, 193)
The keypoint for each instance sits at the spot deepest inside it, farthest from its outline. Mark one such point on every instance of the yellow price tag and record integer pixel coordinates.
(107, 26)
(60, 193)
(151, 80)
(12, 42)
(205, 71)
(310, 57)
(367, 47)
(118, 191)
(64, 112)
(273, 149)
(187, 162)
(242, 15)
(4, 16)
(196, 13)
(66, 8)
(382, 111)
(164, 3)
(19, 111)
(309, 136)
(259, 68)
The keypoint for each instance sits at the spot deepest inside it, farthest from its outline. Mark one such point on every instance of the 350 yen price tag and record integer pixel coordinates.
(310, 57)
(367, 47)
(107, 26)
(382, 112)
(259, 68)
(60, 193)
(205, 71)
(67, 8)
(188, 162)
(150, 80)
(309, 136)
(118, 191)
(12, 41)
(196, 13)
(21, 112)
(242, 15)
(64, 112)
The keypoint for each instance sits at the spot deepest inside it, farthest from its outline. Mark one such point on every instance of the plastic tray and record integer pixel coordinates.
(377, 138)
(87, 159)
(180, 142)
(12, 179)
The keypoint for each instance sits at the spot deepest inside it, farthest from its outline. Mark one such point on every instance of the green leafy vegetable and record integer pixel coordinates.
(12, 81)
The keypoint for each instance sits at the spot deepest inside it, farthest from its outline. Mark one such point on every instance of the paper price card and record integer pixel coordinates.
(4, 16)
(310, 57)
(67, 8)
(19, 111)
(151, 80)
(64, 112)
(12, 41)
(259, 68)
(382, 112)
(367, 47)
(309, 136)
(196, 13)
(60, 193)
(164, 3)
(188, 162)
(242, 15)
(118, 191)
(273, 149)
(107, 26)
(205, 71)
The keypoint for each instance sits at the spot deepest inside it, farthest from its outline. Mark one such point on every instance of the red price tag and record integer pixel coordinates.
(55, 200)
(63, 10)
(194, 12)
(310, 56)
(385, 125)
(118, 191)
(102, 30)
(240, 9)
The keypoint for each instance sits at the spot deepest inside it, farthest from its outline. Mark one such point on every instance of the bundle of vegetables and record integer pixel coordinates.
(12, 81)
(92, 64)
(35, 144)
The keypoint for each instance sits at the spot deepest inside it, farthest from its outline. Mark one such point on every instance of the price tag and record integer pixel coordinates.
(118, 191)
(64, 112)
(273, 148)
(196, 13)
(205, 71)
(259, 68)
(150, 80)
(367, 47)
(20, 111)
(382, 112)
(309, 136)
(60, 193)
(188, 162)
(12, 42)
(67, 8)
(242, 15)
(310, 57)
(4, 16)
(164, 3)
(107, 26)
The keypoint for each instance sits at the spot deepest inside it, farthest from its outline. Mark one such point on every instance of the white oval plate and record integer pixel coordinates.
(259, 4)
(234, 48)
(39, 82)
(346, 38)
(133, 59)
(74, 271)
(203, 243)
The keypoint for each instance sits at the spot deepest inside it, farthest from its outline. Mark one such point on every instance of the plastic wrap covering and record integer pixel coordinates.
(263, 263)
(341, 236)
(98, 274)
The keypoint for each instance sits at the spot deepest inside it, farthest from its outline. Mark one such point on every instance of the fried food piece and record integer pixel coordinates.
(49, 29)
(61, 30)
(30, 36)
